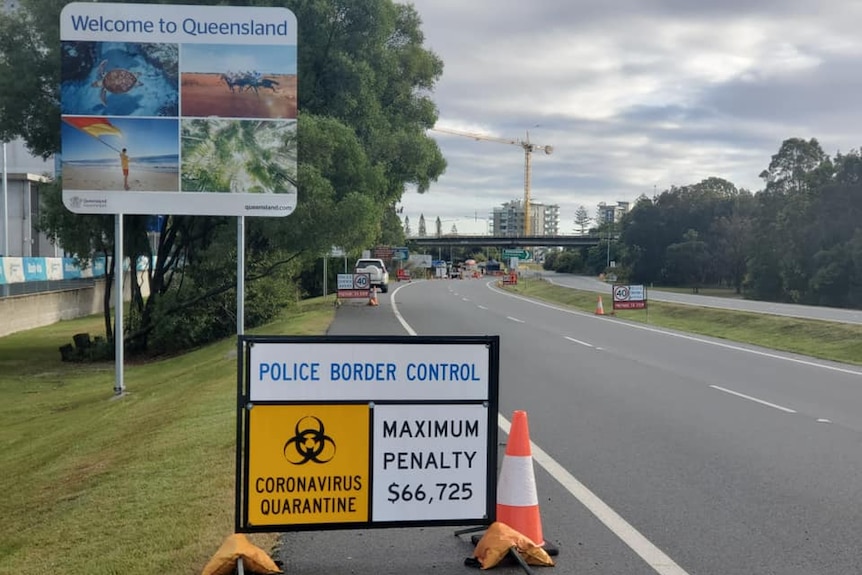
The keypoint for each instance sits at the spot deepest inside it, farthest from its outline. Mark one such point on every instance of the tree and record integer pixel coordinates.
(784, 248)
(792, 166)
(687, 261)
(438, 227)
(453, 230)
(733, 237)
(422, 232)
(407, 231)
(30, 75)
(582, 219)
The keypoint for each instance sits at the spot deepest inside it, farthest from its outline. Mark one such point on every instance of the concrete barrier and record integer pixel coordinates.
(23, 312)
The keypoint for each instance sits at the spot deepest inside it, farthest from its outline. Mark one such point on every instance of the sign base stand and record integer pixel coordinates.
(549, 547)
(512, 554)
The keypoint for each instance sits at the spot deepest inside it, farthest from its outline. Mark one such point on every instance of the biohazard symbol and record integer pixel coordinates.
(310, 443)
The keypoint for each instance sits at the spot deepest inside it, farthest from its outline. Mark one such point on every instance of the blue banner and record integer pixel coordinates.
(35, 269)
(70, 270)
(99, 267)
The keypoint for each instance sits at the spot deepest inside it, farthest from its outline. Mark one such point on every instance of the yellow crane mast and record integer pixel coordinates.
(528, 146)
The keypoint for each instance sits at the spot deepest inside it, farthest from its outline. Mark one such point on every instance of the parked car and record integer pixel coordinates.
(377, 271)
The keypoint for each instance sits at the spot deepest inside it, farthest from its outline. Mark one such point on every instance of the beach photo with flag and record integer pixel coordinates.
(120, 154)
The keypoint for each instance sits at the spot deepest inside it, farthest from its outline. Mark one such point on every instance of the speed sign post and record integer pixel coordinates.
(338, 432)
(629, 297)
(355, 285)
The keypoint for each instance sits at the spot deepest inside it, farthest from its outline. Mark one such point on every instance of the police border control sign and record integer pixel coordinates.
(365, 431)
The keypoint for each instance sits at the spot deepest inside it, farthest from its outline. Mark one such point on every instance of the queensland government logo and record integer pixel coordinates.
(309, 443)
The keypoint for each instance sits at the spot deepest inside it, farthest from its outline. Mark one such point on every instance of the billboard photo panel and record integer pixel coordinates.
(177, 109)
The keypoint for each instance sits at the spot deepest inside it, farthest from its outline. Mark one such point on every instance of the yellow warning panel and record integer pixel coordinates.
(308, 464)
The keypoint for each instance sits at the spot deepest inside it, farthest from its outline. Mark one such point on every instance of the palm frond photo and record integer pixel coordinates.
(239, 156)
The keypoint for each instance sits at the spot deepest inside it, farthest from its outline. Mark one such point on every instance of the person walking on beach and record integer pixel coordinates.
(124, 161)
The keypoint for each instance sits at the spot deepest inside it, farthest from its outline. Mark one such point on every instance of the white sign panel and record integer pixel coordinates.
(344, 281)
(175, 109)
(367, 371)
(430, 462)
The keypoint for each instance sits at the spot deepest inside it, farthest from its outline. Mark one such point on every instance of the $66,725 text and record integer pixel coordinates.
(445, 491)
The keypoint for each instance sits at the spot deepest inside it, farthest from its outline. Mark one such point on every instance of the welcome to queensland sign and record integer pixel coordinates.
(174, 109)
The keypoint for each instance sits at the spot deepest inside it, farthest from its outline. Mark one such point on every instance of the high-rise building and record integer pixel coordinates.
(609, 213)
(508, 219)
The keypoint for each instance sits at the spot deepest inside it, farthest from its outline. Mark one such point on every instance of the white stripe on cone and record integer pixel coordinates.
(517, 484)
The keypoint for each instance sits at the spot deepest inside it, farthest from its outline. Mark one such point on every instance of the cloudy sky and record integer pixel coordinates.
(634, 96)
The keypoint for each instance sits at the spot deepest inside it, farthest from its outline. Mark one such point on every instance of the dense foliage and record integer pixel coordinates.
(365, 81)
(797, 240)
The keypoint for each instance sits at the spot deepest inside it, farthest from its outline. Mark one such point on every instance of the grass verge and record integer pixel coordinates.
(141, 484)
(825, 340)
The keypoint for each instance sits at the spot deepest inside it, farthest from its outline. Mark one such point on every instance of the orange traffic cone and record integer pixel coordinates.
(600, 309)
(517, 499)
(372, 296)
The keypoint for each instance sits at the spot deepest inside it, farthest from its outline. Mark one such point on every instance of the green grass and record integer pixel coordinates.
(826, 340)
(140, 484)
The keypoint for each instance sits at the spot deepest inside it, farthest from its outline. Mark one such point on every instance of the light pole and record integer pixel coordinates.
(610, 228)
(4, 249)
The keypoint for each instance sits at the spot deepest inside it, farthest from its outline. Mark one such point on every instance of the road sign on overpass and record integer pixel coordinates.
(520, 254)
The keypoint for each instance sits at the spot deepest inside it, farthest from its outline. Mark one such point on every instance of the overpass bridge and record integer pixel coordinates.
(506, 242)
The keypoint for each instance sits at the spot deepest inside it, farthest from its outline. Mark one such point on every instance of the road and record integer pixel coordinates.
(789, 310)
(656, 452)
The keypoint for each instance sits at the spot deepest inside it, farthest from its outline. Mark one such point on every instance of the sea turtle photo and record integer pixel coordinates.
(117, 81)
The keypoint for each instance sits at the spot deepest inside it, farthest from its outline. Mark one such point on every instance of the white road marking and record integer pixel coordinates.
(605, 318)
(657, 559)
(481, 307)
(754, 399)
(514, 319)
(398, 315)
(465, 299)
(578, 341)
(653, 556)
(821, 420)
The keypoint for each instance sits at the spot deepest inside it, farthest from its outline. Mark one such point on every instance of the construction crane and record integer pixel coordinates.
(528, 146)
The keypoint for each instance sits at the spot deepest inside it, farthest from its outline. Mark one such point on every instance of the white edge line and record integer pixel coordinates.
(657, 559)
(578, 341)
(654, 557)
(398, 315)
(514, 319)
(679, 335)
(754, 399)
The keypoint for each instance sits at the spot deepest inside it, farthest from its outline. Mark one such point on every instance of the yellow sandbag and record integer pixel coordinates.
(497, 541)
(254, 559)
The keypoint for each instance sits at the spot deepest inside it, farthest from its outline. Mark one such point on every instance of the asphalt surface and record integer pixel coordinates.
(658, 452)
